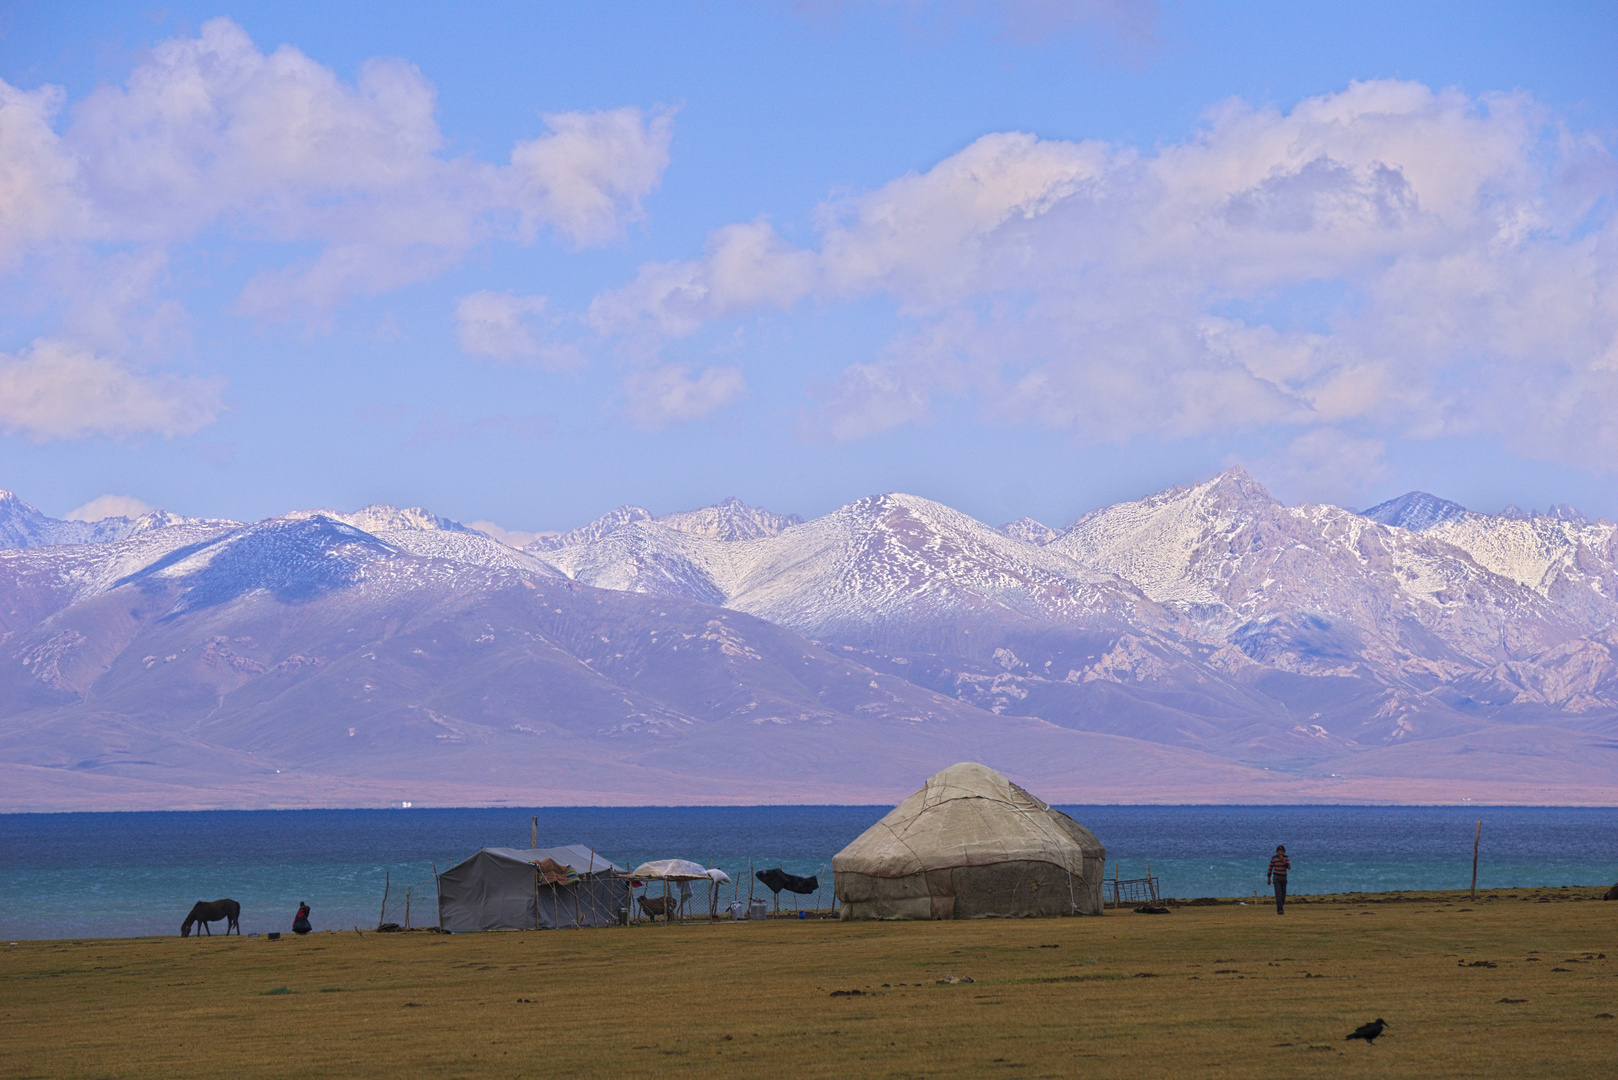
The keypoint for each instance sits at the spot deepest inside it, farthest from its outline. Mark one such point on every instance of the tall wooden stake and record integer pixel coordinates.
(595, 916)
(1475, 838)
(533, 834)
(383, 917)
(407, 909)
(439, 888)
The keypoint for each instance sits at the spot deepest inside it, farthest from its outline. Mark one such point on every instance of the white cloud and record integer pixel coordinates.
(925, 239)
(1405, 261)
(672, 394)
(52, 390)
(209, 135)
(107, 506)
(1325, 465)
(38, 201)
(587, 177)
(501, 326)
(509, 537)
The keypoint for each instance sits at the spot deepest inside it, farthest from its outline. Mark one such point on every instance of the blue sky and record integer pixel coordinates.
(522, 263)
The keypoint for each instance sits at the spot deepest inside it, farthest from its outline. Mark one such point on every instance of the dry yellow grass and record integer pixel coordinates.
(1232, 991)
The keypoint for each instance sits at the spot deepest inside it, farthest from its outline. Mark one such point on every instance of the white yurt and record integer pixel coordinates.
(970, 845)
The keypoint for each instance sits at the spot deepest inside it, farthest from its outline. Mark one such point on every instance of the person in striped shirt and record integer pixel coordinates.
(1277, 875)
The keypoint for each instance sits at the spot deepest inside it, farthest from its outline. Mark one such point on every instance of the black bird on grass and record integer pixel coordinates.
(1368, 1032)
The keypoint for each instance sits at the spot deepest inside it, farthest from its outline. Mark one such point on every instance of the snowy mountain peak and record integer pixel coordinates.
(730, 519)
(609, 522)
(23, 526)
(1232, 488)
(1029, 531)
(1164, 542)
(380, 517)
(1415, 510)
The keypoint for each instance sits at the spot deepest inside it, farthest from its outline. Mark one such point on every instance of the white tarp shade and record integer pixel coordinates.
(671, 870)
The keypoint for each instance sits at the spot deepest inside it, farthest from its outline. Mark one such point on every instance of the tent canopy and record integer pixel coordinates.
(576, 857)
(519, 889)
(970, 844)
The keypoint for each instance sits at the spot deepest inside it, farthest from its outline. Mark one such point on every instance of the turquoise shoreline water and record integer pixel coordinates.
(112, 875)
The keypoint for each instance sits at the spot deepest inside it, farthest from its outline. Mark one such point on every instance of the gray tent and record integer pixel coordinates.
(968, 845)
(543, 888)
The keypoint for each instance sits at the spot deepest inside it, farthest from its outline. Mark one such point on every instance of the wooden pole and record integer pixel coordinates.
(595, 916)
(533, 834)
(383, 917)
(438, 887)
(407, 909)
(1477, 836)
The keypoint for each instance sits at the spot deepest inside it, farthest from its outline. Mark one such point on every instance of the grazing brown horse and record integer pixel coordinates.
(205, 913)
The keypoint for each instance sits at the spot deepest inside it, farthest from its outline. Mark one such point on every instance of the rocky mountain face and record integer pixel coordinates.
(1202, 644)
(23, 526)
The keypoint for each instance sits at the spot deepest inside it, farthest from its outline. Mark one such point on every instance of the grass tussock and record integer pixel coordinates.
(1501, 989)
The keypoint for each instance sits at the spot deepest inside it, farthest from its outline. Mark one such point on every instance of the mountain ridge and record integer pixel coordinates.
(1213, 635)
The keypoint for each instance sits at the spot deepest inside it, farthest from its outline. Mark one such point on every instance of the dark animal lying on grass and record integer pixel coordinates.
(1368, 1032)
(658, 905)
(205, 913)
(778, 879)
(1612, 893)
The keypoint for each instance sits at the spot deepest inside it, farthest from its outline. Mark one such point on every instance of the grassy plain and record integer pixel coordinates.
(1505, 986)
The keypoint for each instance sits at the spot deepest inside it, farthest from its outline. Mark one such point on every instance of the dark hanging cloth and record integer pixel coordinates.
(778, 879)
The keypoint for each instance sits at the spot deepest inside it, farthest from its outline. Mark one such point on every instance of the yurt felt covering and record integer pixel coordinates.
(969, 845)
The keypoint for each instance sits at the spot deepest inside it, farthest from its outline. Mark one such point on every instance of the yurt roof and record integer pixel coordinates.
(968, 815)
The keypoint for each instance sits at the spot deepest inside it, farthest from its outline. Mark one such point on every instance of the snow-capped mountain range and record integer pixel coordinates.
(1202, 644)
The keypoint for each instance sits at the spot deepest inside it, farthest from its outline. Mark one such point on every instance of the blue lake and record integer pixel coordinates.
(107, 875)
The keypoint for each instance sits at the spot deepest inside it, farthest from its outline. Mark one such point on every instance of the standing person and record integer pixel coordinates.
(300, 921)
(1277, 875)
